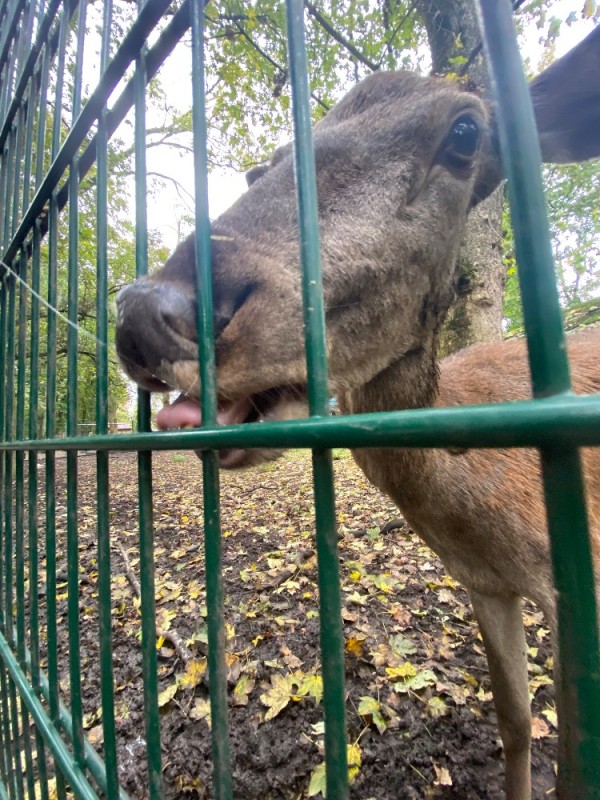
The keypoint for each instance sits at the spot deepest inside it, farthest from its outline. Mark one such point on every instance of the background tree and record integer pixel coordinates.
(573, 196)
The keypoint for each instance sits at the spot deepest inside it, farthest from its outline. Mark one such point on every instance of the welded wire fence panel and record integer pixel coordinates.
(70, 73)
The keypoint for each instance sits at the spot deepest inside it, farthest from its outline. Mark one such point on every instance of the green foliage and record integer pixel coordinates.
(246, 52)
(121, 270)
(573, 197)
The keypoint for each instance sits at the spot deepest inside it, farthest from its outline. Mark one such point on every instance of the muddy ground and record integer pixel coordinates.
(420, 715)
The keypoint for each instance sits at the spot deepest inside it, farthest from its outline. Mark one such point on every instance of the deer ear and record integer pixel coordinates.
(566, 103)
(255, 173)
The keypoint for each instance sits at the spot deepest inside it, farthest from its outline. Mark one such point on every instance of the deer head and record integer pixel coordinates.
(400, 161)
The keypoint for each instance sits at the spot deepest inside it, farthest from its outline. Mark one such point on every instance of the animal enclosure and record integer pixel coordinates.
(45, 162)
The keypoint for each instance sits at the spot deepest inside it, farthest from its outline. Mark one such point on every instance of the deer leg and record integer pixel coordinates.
(501, 623)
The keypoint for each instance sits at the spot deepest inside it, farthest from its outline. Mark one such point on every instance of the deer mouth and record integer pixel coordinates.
(274, 404)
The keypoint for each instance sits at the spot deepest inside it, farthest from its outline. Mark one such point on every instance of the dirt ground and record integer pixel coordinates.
(420, 716)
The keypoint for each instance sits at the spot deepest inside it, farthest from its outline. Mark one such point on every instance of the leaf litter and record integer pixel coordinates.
(420, 716)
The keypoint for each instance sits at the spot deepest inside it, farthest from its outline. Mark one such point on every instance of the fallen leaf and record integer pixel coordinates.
(355, 645)
(194, 672)
(442, 776)
(317, 781)
(437, 707)
(243, 689)
(539, 728)
(201, 710)
(370, 708)
(311, 685)
(167, 695)
(277, 697)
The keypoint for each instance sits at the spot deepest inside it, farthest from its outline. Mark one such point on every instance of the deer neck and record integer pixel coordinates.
(411, 381)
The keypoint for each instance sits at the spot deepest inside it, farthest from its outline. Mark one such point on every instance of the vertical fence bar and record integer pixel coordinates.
(4, 741)
(147, 578)
(222, 777)
(34, 402)
(8, 762)
(11, 206)
(10, 177)
(27, 118)
(33, 537)
(579, 690)
(51, 394)
(50, 487)
(20, 143)
(20, 576)
(9, 532)
(102, 463)
(8, 51)
(72, 455)
(5, 551)
(332, 638)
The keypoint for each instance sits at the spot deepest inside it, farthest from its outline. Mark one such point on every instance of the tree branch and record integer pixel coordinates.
(274, 64)
(327, 26)
(171, 636)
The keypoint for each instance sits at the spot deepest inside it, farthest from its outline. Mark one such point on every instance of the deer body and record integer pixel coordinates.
(400, 161)
(482, 511)
(438, 492)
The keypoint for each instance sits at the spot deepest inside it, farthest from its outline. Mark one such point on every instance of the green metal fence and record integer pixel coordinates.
(43, 160)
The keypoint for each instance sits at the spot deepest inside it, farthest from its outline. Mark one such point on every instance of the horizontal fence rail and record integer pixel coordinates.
(74, 75)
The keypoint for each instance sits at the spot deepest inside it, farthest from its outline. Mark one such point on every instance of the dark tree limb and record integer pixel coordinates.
(327, 26)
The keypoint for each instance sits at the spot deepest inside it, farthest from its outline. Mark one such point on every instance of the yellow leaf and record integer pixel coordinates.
(167, 695)
(311, 685)
(90, 719)
(551, 716)
(437, 707)
(406, 670)
(242, 690)
(370, 708)
(354, 760)
(278, 696)
(355, 646)
(194, 672)
(201, 710)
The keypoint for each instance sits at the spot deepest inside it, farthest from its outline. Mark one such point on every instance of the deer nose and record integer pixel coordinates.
(156, 323)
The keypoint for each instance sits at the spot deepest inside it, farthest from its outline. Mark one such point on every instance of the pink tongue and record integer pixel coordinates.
(185, 413)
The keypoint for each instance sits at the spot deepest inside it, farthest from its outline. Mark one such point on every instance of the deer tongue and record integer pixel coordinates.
(185, 413)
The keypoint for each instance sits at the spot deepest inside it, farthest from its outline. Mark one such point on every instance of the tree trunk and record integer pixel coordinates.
(453, 32)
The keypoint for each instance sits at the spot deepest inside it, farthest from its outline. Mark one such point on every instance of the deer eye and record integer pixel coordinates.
(461, 144)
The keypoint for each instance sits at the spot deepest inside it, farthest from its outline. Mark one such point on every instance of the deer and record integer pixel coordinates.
(400, 162)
